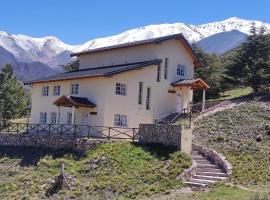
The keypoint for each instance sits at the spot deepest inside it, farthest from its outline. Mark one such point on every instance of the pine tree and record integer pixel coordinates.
(12, 95)
(251, 65)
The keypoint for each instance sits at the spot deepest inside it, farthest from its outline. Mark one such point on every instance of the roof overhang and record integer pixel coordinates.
(70, 101)
(188, 47)
(193, 83)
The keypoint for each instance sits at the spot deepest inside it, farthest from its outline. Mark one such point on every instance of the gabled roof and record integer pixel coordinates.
(194, 83)
(157, 40)
(69, 101)
(104, 71)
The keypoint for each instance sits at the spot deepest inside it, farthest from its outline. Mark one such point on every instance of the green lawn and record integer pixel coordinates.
(234, 93)
(117, 170)
(233, 132)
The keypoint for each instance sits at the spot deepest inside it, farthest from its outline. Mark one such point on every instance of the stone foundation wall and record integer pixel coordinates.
(215, 157)
(169, 135)
(48, 141)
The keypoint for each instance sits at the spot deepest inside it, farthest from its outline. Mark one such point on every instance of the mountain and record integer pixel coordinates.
(50, 52)
(221, 43)
(193, 33)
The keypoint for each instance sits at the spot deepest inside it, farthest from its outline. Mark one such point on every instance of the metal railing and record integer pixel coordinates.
(70, 130)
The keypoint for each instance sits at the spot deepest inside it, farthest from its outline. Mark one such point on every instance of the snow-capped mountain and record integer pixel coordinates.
(28, 52)
(193, 33)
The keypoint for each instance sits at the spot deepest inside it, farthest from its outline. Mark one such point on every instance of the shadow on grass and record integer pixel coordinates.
(157, 150)
(30, 156)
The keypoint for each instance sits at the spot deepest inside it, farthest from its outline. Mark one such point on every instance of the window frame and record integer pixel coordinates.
(181, 70)
(166, 69)
(148, 98)
(56, 92)
(77, 89)
(43, 118)
(45, 90)
(158, 72)
(120, 120)
(55, 118)
(121, 89)
(140, 95)
(69, 117)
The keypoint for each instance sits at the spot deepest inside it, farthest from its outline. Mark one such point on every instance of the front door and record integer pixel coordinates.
(179, 105)
(85, 119)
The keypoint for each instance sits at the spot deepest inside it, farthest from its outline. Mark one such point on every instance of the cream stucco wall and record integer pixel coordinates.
(101, 91)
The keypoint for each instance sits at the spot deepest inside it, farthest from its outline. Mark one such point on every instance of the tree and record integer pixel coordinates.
(12, 95)
(210, 73)
(72, 66)
(251, 64)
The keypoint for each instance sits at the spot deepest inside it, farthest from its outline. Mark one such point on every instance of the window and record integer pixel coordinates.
(69, 118)
(148, 98)
(45, 91)
(121, 89)
(166, 69)
(56, 90)
(74, 88)
(53, 117)
(120, 120)
(43, 118)
(140, 96)
(181, 70)
(158, 73)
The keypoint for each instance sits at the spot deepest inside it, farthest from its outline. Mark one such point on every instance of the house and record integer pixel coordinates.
(120, 86)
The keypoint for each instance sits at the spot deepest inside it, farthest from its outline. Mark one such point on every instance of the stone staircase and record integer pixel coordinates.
(207, 172)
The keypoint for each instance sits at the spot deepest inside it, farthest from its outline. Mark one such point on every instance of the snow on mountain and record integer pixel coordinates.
(49, 52)
(193, 33)
(29, 49)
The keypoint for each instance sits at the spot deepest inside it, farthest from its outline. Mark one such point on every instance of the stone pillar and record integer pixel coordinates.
(203, 100)
(73, 115)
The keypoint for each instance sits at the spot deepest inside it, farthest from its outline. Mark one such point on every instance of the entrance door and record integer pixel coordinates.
(85, 121)
(179, 105)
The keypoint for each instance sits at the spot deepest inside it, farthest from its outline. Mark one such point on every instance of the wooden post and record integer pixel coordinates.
(203, 100)
(28, 115)
(58, 120)
(73, 115)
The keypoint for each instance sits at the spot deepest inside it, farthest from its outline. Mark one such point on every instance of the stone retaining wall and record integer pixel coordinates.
(168, 135)
(48, 141)
(215, 157)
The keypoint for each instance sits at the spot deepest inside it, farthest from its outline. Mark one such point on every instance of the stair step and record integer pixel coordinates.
(213, 178)
(204, 162)
(219, 170)
(216, 174)
(196, 153)
(203, 181)
(208, 166)
(199, 158)
(195, 184)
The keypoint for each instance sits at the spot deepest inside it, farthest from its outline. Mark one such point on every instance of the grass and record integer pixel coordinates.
(234, 93)
(118, 170)
(233, 132)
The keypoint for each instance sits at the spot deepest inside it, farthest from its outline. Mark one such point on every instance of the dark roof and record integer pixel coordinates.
(147, 41)
(104, 71)
(69, 101)
(195, 83)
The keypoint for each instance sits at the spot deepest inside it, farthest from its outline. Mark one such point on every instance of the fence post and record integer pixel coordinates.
(49, 129)
(133, 134)
(17, 128)
(88, 133)
(61, 129)
(109, 134)
(74, 130)
(37, 129)
(8, 128)
(27, 128)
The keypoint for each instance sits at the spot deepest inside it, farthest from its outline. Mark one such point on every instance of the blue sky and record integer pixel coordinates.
(77, 21)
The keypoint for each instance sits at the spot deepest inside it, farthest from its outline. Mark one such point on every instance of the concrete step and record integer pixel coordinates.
(196, 153)
(204, 162)
(199, 158)
(219, 170)
(194, 184)
(202, 181)
(213, 166)
(216, 174)
(212, 178)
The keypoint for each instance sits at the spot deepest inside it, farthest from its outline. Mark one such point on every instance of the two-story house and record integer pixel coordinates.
(122, 85)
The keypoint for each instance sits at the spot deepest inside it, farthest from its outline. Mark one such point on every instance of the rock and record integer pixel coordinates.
(259, 138)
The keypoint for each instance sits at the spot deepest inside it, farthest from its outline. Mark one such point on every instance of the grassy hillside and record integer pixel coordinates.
(242, 134)
(117, 170)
